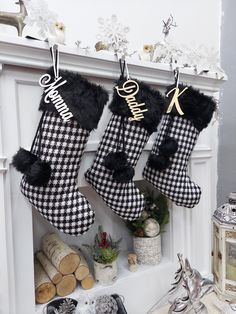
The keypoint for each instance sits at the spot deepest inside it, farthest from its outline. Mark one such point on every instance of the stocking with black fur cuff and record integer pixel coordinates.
(120, 148)
(167, 165)
(51, 167)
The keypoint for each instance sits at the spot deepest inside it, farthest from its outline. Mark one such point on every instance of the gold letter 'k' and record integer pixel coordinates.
(175, 100)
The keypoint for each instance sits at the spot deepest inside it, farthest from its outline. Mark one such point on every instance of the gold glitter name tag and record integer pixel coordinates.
(175, 100)
(128, 91)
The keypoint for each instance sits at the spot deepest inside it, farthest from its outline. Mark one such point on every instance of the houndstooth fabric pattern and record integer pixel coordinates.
(60, 202)
(174, 181)
(124, 199)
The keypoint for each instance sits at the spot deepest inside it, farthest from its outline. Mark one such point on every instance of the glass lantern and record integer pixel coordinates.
(224, 249)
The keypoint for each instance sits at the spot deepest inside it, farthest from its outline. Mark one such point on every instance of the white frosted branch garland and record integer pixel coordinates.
(113, 34)
(39, 15)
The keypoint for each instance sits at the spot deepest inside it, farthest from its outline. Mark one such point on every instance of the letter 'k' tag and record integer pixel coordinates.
(175, 100)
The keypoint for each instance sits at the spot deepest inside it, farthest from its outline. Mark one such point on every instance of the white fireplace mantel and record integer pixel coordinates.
(22, 62)
(35, 54)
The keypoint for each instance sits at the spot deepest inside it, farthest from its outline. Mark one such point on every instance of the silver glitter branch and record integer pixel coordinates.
(195, 287)
(167, 25)
(187, 290)
(177, 284)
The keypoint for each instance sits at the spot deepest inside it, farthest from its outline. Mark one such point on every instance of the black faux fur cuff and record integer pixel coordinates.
(153, 100)
(84, 99)
(197, 107)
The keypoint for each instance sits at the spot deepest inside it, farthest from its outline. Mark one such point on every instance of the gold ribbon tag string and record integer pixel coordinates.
(175, 100)
(128, 91)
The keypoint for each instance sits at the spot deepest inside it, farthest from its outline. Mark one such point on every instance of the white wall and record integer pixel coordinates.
(227, 130)
(198, 20)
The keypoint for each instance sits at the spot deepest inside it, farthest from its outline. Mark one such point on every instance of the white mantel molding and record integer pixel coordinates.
(35, 54)
(3, 167)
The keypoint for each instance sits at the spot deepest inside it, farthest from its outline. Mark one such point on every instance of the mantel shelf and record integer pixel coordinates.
(35, 54)
(124, 277)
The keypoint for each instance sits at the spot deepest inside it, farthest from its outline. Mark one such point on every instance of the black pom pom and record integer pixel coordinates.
(124, 175)
(23, 159)
(38, 174)
(168, 147)
(158, 162)
(115, 161)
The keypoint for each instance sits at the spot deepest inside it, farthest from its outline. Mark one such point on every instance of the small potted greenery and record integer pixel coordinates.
(105, 252)
(147, 229)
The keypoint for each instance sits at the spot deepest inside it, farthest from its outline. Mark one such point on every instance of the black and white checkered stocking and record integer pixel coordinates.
(121, 195)
(168, 173)
(60, 202)
(124, 198)
(174, 181)
(51, 167)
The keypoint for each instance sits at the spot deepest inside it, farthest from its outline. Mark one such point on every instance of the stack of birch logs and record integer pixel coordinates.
(57, 269)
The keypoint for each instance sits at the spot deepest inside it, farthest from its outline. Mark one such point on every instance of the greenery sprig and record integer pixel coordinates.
(104, 250)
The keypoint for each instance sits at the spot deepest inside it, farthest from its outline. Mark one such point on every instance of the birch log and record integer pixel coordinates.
(87, 282)
(132, 261)
(44, 288)
(51, 271)
(82, 271)
(66, 286)
(60, 254)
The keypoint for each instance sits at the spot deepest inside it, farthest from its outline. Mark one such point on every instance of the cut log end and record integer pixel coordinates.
(44, 288)
(45, 292)
(88, 282)
(69, 263)
(66, 286)
(82, 272)
(57, 278)
(83, 269)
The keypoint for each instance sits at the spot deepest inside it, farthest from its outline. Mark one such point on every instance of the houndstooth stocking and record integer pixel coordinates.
(167, 166)
(51, 168)
(119, 150)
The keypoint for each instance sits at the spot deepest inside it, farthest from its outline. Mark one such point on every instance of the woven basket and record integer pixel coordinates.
(148, 250)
